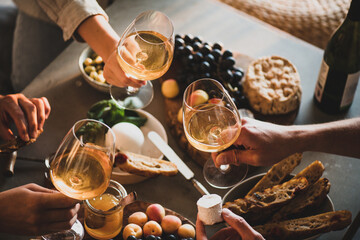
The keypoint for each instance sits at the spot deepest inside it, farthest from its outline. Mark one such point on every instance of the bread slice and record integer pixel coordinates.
(313, 196)
(144, 165)
(277, 173)
(305, 227)
(261, 205)
(312, 172)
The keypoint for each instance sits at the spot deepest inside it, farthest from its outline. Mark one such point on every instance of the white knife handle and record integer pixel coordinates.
(200, 187)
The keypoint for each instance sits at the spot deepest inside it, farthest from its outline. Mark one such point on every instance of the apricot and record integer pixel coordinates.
(186, 231)
(198, 97)
(170, 223)
(170, 88)
(180, 115)
(155, 212)
(132, 229)
(152, 228)
(139, 218)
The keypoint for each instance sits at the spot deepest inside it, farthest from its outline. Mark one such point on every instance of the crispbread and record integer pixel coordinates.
(312, 172)
(260, 205)
(144, 165)
(311, 197)
(277, 173)
(305, 227)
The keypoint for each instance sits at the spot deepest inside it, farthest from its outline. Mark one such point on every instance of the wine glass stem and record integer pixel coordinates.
(131, 90)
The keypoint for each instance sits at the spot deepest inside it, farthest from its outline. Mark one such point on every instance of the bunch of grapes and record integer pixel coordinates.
(199, 59)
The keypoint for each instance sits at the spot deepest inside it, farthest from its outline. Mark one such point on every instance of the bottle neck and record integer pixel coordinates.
(354, 11)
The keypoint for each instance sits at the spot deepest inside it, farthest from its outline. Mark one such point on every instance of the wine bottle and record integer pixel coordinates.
(340, 67)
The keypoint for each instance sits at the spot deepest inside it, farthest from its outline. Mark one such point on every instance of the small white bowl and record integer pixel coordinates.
(102, 87)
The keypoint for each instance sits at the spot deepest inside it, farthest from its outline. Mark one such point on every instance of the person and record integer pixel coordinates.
(44, 28)
(238, 229)
(267, 143)
(31, 209)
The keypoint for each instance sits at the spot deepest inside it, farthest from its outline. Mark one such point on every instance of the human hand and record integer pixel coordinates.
(29, 115)
(239, 229)
(114, 74)
(265, 144)
(34, 210)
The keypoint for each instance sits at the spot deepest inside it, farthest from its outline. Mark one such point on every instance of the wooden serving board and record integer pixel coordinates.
(173, 105)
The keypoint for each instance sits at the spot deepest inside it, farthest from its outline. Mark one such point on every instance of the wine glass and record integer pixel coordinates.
(82, 165)
(145, 52)
(212, 123)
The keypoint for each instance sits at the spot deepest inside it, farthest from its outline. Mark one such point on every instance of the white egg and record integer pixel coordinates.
(128, 137)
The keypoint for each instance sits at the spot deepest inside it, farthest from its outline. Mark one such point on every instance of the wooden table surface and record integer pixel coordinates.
(70, 97)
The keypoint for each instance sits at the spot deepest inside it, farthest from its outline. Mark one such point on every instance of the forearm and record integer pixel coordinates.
(339, 137)
(99, 34)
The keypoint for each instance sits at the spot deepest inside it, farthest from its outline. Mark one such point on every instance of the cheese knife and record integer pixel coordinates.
(170, 154)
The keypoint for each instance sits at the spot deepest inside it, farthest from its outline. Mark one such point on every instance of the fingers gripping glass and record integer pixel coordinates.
(212, 124)
(145, 52)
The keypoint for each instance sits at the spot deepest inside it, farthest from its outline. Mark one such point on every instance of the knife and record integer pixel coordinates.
(174, 158)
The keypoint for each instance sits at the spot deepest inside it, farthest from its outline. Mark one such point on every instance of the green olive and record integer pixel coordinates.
(87, 61)
(89, 69)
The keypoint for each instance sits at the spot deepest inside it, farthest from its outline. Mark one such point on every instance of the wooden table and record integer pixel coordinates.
(70, 97)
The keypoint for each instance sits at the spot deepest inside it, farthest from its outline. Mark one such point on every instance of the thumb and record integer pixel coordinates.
(200, 230)
(240, 225)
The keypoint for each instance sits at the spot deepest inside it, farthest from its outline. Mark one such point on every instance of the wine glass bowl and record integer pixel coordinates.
(212, 123)
(81, 167)
(145, 52)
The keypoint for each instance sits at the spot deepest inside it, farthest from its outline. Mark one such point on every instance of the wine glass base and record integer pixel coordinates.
(134, 98)
(224, 180)
(76, 232)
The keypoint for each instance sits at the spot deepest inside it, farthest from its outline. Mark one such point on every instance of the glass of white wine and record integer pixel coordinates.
(212, 123)
(82, 165)
(145, 52)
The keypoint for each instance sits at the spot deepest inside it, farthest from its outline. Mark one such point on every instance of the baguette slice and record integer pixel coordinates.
(277, 173)
(311, 197)
(305, 227)
(144, 165)
(261, 205)
(312, 172)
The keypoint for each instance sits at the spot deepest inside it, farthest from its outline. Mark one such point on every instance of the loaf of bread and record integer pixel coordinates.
(312, 173)
(305, 227)
(144, 165)
(261, 205)
(313, 196)
(277, 173)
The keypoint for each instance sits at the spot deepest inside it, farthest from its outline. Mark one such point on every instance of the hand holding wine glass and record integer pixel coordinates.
(212, 124)
(145, 52)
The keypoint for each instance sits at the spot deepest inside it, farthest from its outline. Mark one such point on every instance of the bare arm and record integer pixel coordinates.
(267, 143)
(102, 38)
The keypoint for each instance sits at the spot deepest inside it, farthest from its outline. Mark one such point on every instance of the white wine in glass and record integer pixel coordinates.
(82, 165)
(212, 123)
(145, 52)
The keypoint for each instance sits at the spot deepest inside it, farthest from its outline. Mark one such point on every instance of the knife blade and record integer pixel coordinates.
(170, 154)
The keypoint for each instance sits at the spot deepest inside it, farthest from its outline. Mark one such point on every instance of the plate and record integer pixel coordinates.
(148, 149)
(242, 188)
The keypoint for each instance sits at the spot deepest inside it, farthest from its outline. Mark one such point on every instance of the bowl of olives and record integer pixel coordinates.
(91, 66)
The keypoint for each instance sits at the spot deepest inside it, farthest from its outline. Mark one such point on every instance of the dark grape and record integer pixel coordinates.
(227, 63)
(206, 49)
(179, 42)
(227, 75)
(196, 46)
(237, 76)
(171, 237)
(188, 38)
(178, 36)
(205, 67)
(150, 237)
(216, 53)
(218, 46)
(158, 238)
(197, 39)
(198, 56)
(131, 238)
(210, 59)
(188, 50)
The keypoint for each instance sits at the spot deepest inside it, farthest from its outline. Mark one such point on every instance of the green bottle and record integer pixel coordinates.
(340, 68)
